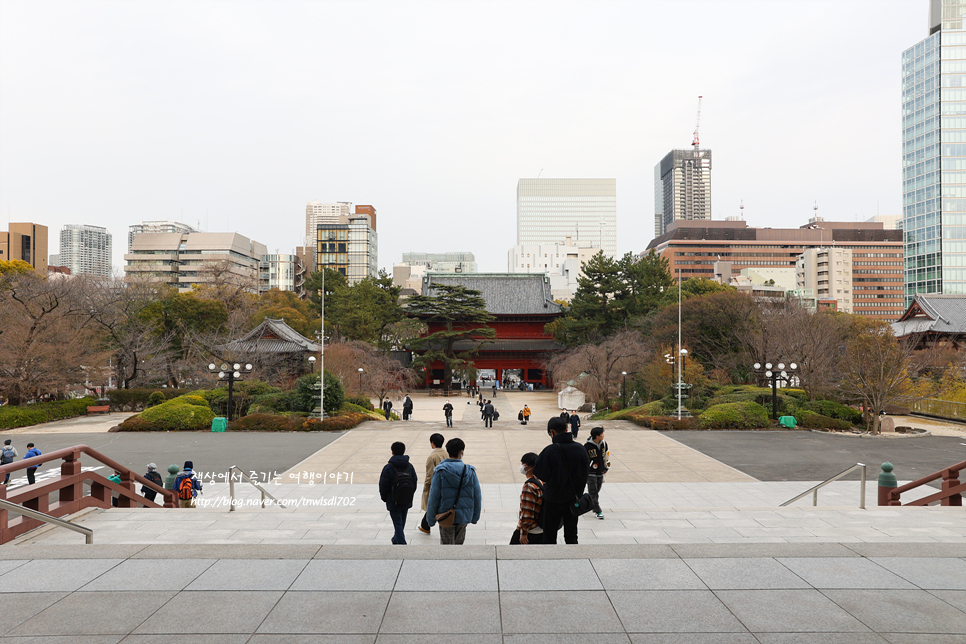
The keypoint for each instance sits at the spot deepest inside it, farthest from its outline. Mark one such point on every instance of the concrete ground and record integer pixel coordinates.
(93, 424)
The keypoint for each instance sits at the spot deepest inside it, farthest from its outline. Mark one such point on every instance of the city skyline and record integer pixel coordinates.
(211, 122)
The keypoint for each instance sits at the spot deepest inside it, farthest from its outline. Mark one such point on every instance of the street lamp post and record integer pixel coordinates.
(624, 388)
(360, 380)
(230, 376)
(774, 376)
(680, 385)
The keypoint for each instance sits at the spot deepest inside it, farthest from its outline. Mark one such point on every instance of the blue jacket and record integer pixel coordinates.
(33, 451)
(400, 462)
(442, 492)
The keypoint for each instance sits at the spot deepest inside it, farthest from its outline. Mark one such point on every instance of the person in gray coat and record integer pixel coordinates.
(454, 486)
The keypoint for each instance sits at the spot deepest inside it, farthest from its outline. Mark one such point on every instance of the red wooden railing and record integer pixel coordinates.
(69, 489)
(950, 494)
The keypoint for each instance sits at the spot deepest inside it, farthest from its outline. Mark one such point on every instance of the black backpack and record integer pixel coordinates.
(403, 487)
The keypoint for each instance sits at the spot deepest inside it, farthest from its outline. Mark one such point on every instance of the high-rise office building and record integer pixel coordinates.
(349, 245)
(185, 260)
(317, 213)
(86, 250)
(934, 154)
(156, 227)
(682, 188)
(551, 210)
(282, 272)
(25, 241)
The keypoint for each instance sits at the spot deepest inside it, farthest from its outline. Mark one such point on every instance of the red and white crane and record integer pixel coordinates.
(696, 125)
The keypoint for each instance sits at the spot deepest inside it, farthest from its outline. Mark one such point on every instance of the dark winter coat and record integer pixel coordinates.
(563, 467)
(400, 462)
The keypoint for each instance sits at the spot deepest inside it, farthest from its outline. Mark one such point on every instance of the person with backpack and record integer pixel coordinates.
(7, 454)
(31, 471)
(187, 486)
(153, 476)
(530, 526)
(397, 485)
(455, 497)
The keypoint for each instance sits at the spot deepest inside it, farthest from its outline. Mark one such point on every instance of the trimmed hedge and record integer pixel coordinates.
(830, 409)
(184, 413)
(275, 423)
(361, 401)
(155, 399)
(811, 420)
(737, 415)
(14, 416)
(135, 399)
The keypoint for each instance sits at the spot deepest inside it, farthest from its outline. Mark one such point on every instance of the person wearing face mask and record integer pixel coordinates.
(530, 526)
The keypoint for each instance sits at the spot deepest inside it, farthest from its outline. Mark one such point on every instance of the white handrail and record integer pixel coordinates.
(815, 489)
(46, 518)
(231, 488)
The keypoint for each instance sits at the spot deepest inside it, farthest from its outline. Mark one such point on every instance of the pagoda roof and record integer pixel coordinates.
(504, 293)
(272, 336)
(933, 314)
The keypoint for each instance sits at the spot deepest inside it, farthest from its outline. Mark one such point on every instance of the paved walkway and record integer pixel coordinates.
(93, 424)
(882, 593)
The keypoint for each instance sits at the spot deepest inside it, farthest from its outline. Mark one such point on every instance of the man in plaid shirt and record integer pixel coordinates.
(531, 503)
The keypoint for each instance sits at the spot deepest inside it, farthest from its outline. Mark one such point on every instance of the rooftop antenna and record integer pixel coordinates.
(741, 210)
(697, 124)
(539, 173)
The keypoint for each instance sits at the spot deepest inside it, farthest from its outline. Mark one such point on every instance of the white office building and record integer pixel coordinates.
(551, 210)
(827, 273)
(560, 262)
(156, 227)
(86, 250)
(285, 272)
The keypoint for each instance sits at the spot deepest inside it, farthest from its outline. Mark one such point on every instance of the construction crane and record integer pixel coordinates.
(696, 125)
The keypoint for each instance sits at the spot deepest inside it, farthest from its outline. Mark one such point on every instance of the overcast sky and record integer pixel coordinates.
(233, 115)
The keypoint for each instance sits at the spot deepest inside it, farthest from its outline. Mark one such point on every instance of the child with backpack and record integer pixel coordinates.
(530, 526)
(187, 486)
(7, 454)
(397, 485)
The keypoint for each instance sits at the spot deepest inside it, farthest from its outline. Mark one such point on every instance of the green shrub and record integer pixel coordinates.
(134, 399)
(812, 420)
(194, 400)
(136, 424)
(736, 415)
(33, 414)
(830, 409)
(335, 423)
(178, 415)
(334, 394)
(156, 398)
(361, 401)
(265, 423)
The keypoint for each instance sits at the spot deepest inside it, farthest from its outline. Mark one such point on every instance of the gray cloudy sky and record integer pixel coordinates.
(234, 114)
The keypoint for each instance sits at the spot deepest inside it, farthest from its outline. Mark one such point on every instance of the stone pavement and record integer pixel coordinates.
(93, 424)
(686, 594)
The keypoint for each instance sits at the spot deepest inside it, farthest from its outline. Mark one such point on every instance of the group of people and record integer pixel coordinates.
(407, 406)
(488, 412)
(8, 454)
(552, 497)
(524, 415)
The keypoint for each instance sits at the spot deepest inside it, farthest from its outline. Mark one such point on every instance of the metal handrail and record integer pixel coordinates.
(46, 518)
(231, 488)
(814, 490)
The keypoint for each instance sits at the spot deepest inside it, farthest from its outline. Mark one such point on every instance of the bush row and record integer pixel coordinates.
(292, 423)
(736, 415)
(137, 399)
(812, 420)
(13, 416)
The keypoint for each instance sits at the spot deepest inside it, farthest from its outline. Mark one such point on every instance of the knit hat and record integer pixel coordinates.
(7, 442)
(152, 467)
(188, 465)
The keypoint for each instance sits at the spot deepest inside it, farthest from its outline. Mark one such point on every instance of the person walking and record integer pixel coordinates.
(488, 412)
(387, 407)
(397, 485)
(153, 476)
(187, 486)
(565, 415)
(31, 471)
(7, 455)
(574, 421)
(563, 467)
(455, 488)
(526, 414)
(448, 412)
(595, 446)
(407, 407)
(529, 529)
(437, 456)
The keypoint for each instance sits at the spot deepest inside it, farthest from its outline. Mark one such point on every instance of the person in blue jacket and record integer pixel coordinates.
(31, 471)
(451, 479)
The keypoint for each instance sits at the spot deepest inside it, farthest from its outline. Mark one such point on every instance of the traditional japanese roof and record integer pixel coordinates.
(272, 336)
(933, 314)
(505, 293)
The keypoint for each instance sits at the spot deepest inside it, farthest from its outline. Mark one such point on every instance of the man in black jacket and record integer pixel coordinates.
(563, 467)
(398, 494)
(488, 414)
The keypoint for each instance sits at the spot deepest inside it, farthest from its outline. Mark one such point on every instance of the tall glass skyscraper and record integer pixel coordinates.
(934, 154)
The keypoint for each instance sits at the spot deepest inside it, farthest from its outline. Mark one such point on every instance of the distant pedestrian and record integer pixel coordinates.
(526, 414)
(397, 485)
(187, 486)
(529, 527)
(387, 408)
(7, 454)
(574, 421)
(488, 412)
(437, 456)
(565, 415)
(455, 497)
(563, 467)
(114, 478)
(153, 476)
(595, 446)
(407, 407)
(31, 471)
(448, 412)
